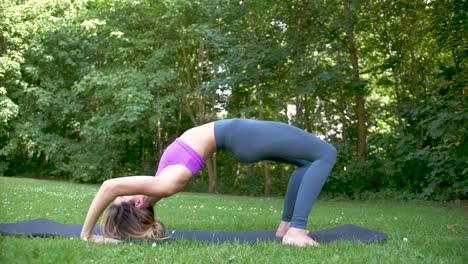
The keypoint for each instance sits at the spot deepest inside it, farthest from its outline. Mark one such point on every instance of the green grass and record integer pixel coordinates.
(423, 224)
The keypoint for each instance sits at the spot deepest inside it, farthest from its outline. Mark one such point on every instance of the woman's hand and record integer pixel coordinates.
(100, 239)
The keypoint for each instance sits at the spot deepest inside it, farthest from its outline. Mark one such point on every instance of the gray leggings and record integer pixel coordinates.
(252, 140)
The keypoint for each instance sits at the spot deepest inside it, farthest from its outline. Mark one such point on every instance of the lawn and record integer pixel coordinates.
(434, 232)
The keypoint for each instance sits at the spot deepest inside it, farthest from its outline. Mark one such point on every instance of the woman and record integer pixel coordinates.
(247, 141)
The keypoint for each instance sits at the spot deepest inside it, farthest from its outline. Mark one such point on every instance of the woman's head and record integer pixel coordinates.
(127, 221)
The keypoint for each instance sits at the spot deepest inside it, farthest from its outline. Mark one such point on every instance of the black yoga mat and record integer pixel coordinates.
(42, 227)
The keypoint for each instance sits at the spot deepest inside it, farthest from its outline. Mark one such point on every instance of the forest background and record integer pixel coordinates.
(95, 89)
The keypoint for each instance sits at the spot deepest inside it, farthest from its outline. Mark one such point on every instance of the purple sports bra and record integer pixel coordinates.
(178, 152)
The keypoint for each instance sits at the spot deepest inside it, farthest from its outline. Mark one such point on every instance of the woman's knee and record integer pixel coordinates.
(331, 153)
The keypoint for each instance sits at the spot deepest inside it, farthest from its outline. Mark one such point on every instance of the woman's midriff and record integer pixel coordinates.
(201, 139)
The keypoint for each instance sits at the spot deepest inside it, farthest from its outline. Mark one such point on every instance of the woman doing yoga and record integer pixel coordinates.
(131, 214)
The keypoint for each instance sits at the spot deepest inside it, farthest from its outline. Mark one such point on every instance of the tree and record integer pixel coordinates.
(93, 89)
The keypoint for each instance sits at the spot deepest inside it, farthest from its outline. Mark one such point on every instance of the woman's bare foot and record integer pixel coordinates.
(282, 229)
(298, 237)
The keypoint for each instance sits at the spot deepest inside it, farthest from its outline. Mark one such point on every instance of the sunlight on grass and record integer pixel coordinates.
(418, 231)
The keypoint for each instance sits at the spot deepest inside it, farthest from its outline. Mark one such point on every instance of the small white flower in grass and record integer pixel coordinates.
(154, 244)
(405, 239)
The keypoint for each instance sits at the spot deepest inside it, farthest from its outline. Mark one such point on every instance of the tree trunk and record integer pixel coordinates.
(344, 121)
(194, 98)
(358, 96)
(211, 167)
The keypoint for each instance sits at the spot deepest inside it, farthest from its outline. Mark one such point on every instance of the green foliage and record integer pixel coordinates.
(94, 89)
(9, 109)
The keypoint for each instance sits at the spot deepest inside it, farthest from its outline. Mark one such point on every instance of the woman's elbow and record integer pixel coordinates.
(108, 186)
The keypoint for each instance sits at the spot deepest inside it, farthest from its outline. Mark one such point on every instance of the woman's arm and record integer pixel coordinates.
(170, 181)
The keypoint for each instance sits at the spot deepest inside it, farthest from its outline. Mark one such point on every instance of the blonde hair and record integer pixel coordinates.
(127, 221)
